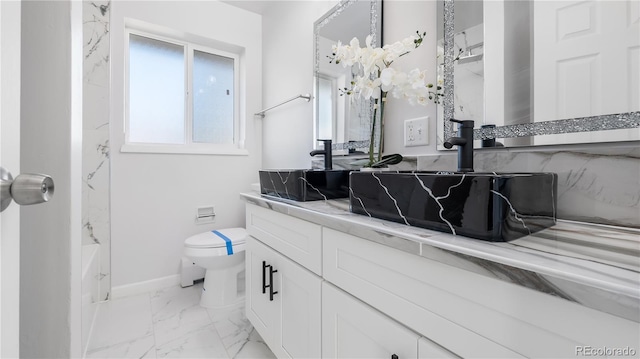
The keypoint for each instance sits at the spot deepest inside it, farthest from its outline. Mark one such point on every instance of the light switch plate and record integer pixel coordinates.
(416, 132)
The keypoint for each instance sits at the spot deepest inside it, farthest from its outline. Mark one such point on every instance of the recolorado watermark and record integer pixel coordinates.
(589, 351)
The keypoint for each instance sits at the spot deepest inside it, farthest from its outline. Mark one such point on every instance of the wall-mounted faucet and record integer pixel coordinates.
(328, 162)
(464, 141)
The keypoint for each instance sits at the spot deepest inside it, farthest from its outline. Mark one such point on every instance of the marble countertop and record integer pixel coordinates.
(594, 265)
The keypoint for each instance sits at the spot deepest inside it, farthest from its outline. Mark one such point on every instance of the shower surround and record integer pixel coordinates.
(95, 135)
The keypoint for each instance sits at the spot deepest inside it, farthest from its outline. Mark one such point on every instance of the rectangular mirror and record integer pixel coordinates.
(344, 119)
(541, 72)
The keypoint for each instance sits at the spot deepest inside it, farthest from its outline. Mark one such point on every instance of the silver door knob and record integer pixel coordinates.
(25, 189)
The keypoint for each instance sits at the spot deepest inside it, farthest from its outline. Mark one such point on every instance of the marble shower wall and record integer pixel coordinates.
(597, 184)
(95, 153)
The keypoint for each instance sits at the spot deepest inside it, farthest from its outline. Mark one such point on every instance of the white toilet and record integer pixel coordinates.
(221, 254)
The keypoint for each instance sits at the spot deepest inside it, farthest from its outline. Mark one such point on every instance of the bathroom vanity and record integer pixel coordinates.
(323, 282)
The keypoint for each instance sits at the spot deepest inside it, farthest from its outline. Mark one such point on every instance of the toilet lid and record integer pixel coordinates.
(217, 238)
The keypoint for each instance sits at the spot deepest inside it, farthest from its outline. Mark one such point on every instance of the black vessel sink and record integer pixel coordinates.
(487, 206)
(305, 185)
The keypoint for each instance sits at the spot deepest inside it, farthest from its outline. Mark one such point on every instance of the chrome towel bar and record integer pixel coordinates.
(307, 97)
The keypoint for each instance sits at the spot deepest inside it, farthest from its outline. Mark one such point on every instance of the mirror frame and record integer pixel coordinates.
(375, 17)
(580, 124)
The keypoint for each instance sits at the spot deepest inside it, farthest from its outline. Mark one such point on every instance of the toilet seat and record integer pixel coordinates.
(217, 238)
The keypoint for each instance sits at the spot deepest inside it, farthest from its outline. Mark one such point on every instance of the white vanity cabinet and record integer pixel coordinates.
(353, 329)
(468, 314)
(282, 296)
(376, 275)
(430, 350)
(342, 296)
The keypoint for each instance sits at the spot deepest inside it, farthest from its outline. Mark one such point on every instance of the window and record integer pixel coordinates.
(326, 109)
(181, 97)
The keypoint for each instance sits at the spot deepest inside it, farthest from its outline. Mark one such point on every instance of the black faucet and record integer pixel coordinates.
(464, 141)
(328, 163)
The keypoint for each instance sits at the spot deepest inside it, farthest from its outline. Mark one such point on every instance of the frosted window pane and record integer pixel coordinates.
(213, 94)
(156, 91)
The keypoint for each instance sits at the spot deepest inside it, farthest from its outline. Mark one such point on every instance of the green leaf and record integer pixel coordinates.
(387, 160)
(384, 161)
(361, 162)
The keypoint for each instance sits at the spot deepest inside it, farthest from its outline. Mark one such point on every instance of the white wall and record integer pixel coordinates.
(154, 196)
(288, 71)
(51, 143)
(402, 18)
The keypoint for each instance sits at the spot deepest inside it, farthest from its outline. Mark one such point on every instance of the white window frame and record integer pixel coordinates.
(188, 147)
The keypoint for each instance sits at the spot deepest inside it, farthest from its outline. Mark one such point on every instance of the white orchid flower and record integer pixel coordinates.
(400, 48)
(377, 79)
(355, 43)
(409, 43)
(390, 79)
(366, 87)
(377, 75)
(371, 60)
(342, 54)
(398, 92)
(393, 51)
(418, 78)
(368, 41)
(421, 96)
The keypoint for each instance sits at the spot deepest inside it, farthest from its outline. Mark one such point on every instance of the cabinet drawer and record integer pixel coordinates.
(352, 329)
(428, 349)
(464, 312)
(299, 240)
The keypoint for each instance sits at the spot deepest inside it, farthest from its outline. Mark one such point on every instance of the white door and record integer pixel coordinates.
(261, 311)
(283, 302)
(10, 158)
(41, 60)
(299, 302)
(586, 62)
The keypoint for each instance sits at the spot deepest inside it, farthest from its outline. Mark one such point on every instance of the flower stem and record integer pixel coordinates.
(372, 140)
(383, 100)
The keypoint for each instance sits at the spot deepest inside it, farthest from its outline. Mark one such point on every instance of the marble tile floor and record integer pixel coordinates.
(170, 323)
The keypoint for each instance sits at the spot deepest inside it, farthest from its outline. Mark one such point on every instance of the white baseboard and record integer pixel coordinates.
(145, 287)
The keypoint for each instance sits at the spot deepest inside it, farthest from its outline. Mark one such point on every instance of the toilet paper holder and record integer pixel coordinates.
(205, 214)
(26, 189)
